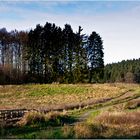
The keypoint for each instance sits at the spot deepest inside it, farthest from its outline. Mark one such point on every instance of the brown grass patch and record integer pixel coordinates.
(119, 124)
(119, 118)
(133, 104)
(83, 131)
(68, 131)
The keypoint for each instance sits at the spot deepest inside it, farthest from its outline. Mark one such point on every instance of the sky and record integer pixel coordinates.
(117, 22)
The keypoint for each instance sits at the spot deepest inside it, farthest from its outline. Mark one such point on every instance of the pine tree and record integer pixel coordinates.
(95, 57)
(69, 49)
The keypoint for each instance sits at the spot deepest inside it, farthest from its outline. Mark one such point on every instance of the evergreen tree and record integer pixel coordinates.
(69, 49)
(95, 57)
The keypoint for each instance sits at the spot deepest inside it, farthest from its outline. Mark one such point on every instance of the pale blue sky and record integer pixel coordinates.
(117, 22)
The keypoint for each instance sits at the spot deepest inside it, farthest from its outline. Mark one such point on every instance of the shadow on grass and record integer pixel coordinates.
(50, 128)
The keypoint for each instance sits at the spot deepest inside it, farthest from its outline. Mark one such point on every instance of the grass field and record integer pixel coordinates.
(40, 96)
(114, 118)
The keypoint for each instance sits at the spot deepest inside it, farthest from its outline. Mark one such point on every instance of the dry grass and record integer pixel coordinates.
(119, 118)
(104, 125)
(31, 118)
(50, 95)
(83, 131)
(119, 124)
(111, 125)
(68, 131)
(133, 104)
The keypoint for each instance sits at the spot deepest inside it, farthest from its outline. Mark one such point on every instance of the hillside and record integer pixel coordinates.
(124, 71)
(36, 96)
(72, 111)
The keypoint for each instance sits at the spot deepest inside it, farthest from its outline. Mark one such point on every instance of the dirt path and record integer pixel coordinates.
(87, 104)
(121, 99)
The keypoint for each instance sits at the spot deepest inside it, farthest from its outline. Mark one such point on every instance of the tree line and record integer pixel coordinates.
(124, 71)
(49, 54)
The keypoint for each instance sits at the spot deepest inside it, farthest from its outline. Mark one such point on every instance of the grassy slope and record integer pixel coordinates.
(39, 96)
(78, 92)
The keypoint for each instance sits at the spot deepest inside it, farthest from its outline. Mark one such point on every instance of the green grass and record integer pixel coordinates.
(28, 132)
(95, 113)
(47, 133)
(53, 90)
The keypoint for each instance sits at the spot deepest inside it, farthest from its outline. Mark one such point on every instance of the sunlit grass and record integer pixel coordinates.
(41, 96)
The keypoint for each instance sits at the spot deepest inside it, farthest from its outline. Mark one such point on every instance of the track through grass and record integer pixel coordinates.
(116, 94)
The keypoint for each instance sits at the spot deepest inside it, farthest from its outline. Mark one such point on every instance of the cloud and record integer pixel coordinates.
(118, 29)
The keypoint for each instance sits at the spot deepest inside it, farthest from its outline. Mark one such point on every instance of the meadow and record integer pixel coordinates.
(46, 95)
(104, 110)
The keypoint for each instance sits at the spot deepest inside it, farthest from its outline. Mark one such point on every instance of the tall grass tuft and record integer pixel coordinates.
(32, 118)
(83, 130)
(68, 131)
